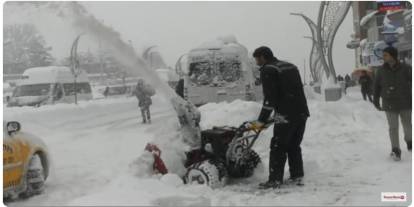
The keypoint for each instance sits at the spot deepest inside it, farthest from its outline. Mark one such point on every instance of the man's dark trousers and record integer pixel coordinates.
(285, 144)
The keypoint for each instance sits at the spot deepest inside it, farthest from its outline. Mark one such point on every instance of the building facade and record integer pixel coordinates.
(378, 24)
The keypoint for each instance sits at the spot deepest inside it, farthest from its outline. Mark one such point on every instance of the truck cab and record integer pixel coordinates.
(218, 71)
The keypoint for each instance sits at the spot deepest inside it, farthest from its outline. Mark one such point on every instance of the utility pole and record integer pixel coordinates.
(101, 60)
(75, 65)
(304, 71)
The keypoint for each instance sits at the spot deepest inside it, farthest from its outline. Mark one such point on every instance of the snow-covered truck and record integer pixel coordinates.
(49, 85)
(216, 71)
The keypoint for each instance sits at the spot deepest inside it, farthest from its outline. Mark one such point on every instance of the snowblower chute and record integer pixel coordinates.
(158, 166)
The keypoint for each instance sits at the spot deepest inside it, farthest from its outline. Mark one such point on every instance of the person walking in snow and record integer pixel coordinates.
(347, 82)
(106, 92)
(143, 92)
(283, 93)
(179, 88)
(393, 85)
(366, 85)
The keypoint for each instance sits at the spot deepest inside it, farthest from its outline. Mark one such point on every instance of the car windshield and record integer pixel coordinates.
(32, 90)
(205, 73)
(229, 71)
(201, 73)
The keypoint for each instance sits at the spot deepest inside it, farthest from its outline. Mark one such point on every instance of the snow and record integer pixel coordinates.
(363, 42)
(328, 83)
(226, 39)
(95, 149)
(227, 44)
(407, 15)
(367, 17)
(400, 30)
(167, 74)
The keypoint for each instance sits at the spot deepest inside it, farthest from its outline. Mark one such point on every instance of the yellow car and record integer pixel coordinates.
(25, 162)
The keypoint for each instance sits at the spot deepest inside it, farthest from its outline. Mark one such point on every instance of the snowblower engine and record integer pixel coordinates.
(225, 152)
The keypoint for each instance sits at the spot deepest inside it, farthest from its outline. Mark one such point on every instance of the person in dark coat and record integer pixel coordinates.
(393, 84)
(283, 93)
(106, 92)
(179, 89)
(347, 82)
(144, 100)
(366, 85)
(347, 78)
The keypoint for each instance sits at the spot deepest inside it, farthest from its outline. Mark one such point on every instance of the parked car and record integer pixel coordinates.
(25, 162)
(117, 90)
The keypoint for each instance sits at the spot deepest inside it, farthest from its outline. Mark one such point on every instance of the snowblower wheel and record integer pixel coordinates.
(244, 166)
(208, 172)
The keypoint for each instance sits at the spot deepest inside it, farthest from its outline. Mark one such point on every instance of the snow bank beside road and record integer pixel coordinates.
(345, 151)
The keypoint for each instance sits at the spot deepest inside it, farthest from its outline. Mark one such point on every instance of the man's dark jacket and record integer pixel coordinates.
(283, 91)
(393, 85)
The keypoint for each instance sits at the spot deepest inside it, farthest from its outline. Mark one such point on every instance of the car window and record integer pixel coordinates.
(81, 88)
(58, 92)
(201, 73)
(32, 90)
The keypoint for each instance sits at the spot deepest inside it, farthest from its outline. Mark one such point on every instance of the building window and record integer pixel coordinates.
(372, 5)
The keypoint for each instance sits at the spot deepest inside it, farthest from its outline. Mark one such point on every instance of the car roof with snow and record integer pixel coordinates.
(228, 47)
(51, 74)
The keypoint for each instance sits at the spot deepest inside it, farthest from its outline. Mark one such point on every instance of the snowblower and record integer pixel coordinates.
(225, 152)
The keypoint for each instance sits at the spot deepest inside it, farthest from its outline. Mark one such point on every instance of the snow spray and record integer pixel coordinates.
(85, 23)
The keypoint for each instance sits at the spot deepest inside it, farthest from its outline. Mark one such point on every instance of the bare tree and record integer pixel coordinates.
(24, 47)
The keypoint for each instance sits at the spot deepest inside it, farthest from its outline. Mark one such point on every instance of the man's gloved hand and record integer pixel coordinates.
(255, 125)
(377, 104)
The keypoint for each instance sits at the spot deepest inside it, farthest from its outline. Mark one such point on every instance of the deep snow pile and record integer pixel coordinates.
(95, 146)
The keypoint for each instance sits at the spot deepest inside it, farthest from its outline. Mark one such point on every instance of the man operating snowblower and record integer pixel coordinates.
(283, 93)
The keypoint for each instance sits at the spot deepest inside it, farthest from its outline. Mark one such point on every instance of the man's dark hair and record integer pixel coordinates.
(263, 51)
(392, 51)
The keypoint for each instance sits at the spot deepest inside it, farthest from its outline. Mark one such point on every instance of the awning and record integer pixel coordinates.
(367, 17)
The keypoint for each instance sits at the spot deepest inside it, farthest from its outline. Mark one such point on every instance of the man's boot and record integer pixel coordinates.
(270, 184)
(295, 181)
(396, 154)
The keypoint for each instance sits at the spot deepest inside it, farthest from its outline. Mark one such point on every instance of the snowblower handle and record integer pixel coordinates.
(244, 127)
(268, 123)
(257, 132)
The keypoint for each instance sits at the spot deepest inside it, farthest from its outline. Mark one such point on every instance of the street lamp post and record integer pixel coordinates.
(315, 54)
(75, 64)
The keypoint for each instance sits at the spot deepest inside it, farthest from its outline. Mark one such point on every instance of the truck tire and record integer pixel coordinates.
(212, 173)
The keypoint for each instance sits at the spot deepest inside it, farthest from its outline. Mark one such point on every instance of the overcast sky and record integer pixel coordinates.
(176, 27)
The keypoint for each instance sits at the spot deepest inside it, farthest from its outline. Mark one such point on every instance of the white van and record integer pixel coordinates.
(49, 85)
(216, 71)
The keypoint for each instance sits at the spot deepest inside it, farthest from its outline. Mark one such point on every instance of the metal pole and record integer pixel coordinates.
(101, 61)
(75, 64)
(74, 89)
(304, 71)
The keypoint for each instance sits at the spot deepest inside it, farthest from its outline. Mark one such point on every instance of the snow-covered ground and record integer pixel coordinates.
(94, 147)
